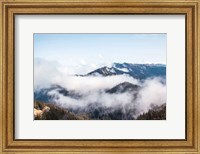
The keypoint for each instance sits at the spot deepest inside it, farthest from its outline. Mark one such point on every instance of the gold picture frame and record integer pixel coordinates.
(9, 8)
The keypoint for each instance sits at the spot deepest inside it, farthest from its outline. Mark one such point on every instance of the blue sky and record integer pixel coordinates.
(100, 49)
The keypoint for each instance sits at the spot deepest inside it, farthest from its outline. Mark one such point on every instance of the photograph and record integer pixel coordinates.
(100, 76)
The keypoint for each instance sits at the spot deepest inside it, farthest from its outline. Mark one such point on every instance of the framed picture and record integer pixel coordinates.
(99, 76)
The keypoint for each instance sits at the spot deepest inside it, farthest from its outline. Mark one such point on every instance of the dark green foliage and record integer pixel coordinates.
(56, 113)
(156, 113)
(98, 113)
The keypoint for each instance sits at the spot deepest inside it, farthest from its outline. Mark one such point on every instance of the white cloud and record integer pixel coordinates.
(100, 56)
(48, 72)
(82, 61)
(45, 72)
(90, 83)
(153, 92)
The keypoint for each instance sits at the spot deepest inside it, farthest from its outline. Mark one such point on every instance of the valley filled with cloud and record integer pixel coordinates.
(104, 94)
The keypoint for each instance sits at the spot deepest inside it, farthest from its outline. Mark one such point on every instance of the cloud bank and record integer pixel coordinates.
(93, 90)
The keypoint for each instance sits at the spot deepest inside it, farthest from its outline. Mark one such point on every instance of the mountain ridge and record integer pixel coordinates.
(138, 71)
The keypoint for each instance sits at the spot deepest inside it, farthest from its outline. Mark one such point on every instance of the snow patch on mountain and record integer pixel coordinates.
(123, 69)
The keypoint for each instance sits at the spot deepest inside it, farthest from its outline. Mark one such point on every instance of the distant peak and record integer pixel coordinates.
(138, 71)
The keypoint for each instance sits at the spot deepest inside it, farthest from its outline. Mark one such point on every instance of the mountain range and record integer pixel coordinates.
(138, 71)
(96, 110)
